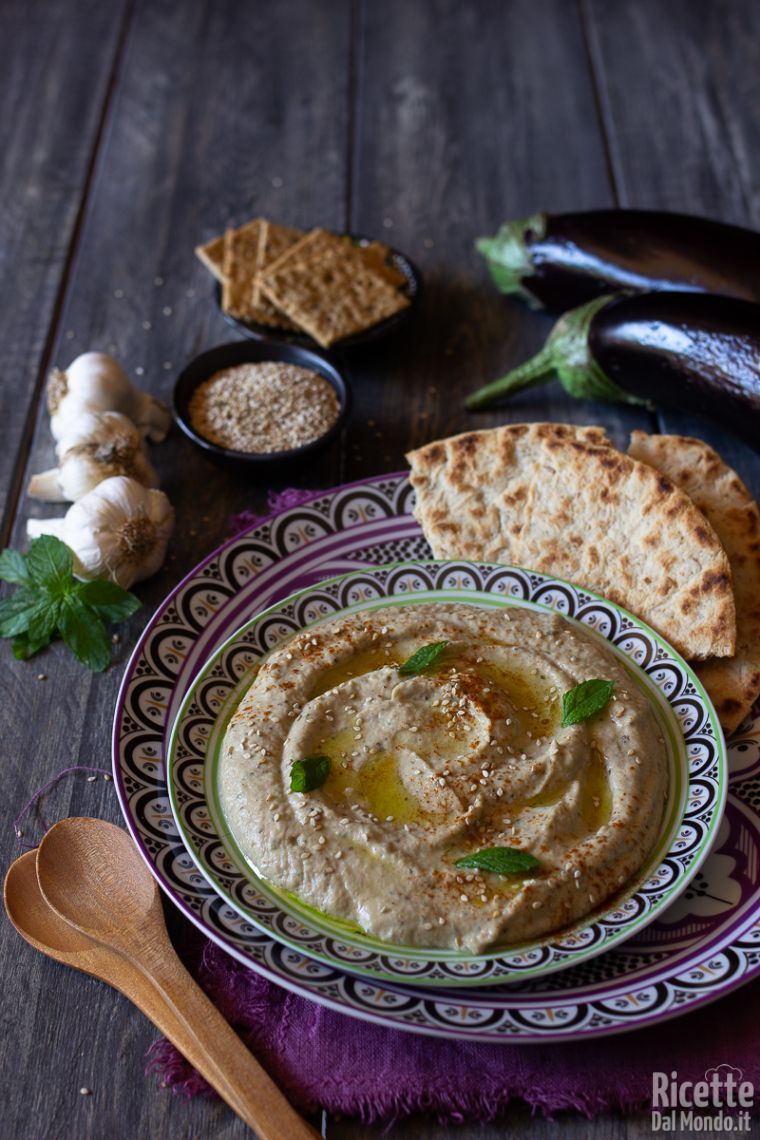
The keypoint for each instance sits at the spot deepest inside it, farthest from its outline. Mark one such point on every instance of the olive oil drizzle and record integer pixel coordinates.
(376, 785)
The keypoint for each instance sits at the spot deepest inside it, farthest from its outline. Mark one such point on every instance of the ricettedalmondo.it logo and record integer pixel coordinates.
(719, 1104)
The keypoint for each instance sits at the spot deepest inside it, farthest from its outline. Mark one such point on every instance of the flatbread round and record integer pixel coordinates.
(561, 499)
(733, 683)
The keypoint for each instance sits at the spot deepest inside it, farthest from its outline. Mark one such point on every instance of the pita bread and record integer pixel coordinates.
(733, 683)
(561, 499)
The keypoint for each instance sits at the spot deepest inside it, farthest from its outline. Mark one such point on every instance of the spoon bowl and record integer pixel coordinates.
(91, 874)
(37, 923)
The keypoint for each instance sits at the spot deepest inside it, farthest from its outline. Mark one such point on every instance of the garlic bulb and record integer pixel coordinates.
(95, 383)
(119, 530)
(103, 444)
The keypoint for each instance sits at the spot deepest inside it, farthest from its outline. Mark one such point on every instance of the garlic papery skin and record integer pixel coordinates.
(94, 382)
(105, 444)
(119, 530)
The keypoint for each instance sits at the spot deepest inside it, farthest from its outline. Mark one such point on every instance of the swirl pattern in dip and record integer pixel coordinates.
(426, 769)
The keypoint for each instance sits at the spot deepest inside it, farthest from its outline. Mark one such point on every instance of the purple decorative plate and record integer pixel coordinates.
(706, 943)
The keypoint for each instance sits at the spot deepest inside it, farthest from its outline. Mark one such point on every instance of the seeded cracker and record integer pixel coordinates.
(324, 284)
(212, 256)
(241, 251)
(274, 240)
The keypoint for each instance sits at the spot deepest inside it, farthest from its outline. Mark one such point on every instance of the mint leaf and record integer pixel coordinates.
(110, 601)
(424, 658)
(51, 601)
(24, 647)
(44, 621)
(13, 568)
(500, 861)
(584, 700)
(17, 611)
(84, 633)
(51, 564)
(309, 774)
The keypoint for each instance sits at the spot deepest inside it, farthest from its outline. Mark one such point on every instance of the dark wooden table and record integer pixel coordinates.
(134, 130)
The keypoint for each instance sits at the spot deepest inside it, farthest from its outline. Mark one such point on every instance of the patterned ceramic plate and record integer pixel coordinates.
(706, 943)
(696, 754)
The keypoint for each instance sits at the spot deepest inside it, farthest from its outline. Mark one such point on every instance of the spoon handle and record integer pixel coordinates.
(227, 1064)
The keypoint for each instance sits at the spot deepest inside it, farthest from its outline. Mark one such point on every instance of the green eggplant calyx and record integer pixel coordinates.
(508, 256)
(566, 354)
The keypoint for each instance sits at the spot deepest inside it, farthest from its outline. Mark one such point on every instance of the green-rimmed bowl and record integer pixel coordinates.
(694, 743)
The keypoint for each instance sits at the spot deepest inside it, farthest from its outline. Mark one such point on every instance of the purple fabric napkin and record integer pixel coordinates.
(323, 1059)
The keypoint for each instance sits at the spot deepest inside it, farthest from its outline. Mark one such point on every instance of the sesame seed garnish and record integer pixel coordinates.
(263, 407)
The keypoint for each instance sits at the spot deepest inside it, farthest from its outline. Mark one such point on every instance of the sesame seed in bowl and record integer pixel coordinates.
(256, 405)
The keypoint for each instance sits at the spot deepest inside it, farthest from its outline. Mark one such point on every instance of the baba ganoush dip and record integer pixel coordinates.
(428, 768)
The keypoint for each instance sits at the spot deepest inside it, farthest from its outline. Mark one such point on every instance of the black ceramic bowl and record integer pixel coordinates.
(256, 464)
(411, 289)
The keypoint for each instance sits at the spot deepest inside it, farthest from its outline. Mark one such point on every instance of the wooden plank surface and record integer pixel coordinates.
(425, 124)
(56, 69)
(450, 142)
(187, 148)
(679, 88)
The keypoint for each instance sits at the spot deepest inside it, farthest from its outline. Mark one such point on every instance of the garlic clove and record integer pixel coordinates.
(95, 425)
(119, 530)
(105, 444)
(46, 485)
(94, 382)
(37, 527)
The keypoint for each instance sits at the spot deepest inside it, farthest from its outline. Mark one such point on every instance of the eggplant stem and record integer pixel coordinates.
(538, 370)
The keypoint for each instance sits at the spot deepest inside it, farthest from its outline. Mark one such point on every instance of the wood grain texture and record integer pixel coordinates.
(442, 119)
(517, 1121)
(214, 117)
(679, 89)
(56, 64)
(458, 128)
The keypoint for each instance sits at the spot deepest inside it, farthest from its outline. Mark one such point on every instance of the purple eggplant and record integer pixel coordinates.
(563, 260)
(695, 352)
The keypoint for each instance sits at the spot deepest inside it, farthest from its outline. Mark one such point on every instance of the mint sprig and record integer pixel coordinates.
(51, 602)
(585, 700)
(309, 774)
(425, 658)
(500, 861)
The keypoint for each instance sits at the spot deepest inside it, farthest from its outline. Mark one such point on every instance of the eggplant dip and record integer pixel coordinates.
(446, 775)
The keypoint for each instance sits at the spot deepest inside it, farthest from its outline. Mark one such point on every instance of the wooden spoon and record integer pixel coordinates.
(40, 926)
(92, 876)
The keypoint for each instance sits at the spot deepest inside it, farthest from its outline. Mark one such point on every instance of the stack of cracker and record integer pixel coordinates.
(316, 282)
